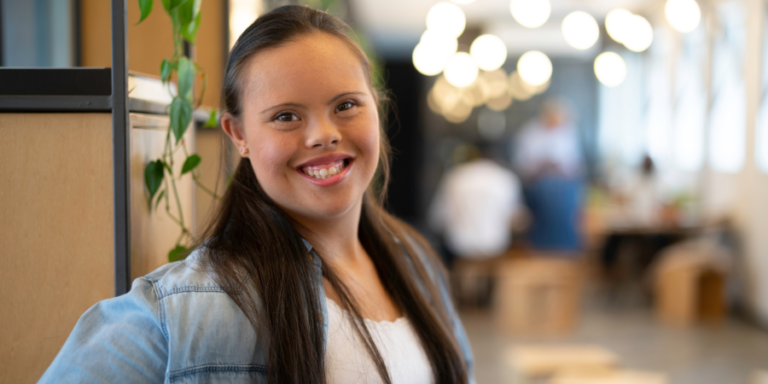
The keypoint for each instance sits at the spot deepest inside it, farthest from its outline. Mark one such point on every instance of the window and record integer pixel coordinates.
(620, 134)
(37, 33)
(691, 109)
(658, 118)
(761, 142)
(728, 119)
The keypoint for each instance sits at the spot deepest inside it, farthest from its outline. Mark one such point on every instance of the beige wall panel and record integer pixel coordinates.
(56, 231)
(96, 33)
(214, 168)
(154, 233)
(211, 51)
(151, 41)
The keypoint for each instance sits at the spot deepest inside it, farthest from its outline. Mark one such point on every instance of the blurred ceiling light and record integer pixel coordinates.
(446, 18)
(493, 83)
(683, 15)
(610, 69)
(433, 52)
(639, 34)
(580, 30)
(518, 88)
(463, 1)
(534, 68)
(489, 52)
(428, 60)
(459, 113)
(491, 124)
(530, 13)
(616, 23)
(242, 13)
(461, 70)
(432, 102)
(499, 103)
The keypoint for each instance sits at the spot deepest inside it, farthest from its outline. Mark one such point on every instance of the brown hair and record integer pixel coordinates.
(257, 255)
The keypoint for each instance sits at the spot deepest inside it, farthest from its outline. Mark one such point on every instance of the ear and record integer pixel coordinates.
(234, 129)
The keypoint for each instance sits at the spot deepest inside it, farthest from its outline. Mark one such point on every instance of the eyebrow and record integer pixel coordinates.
(340, 95)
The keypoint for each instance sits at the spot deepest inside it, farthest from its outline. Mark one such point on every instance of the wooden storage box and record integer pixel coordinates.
(537, 296)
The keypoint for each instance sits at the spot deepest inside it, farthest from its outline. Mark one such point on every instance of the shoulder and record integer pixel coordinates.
(201, 322)
(186, 276)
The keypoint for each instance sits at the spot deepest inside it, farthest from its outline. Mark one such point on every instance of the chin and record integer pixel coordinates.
(328, 210)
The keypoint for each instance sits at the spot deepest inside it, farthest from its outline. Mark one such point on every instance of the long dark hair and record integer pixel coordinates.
(256, 253)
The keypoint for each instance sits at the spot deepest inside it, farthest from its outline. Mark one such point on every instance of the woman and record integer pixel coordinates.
(303, 277)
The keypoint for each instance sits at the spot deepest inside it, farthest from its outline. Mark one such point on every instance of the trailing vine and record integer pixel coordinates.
(159, 176)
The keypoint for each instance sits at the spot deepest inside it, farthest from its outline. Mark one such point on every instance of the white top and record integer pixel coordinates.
(473, 208)
(538, 145)
(347, 361)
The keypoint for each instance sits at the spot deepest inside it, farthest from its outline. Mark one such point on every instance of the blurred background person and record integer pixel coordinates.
(548, 156)
(474, 209)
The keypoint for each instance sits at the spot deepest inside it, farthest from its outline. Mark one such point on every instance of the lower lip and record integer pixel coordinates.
(329, 181)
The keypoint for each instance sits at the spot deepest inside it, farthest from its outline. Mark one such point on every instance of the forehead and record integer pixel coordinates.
(318, 65)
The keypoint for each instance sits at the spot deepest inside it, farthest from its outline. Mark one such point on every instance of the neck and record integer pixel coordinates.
(335, 238)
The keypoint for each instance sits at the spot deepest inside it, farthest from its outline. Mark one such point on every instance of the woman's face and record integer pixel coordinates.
(310, 123)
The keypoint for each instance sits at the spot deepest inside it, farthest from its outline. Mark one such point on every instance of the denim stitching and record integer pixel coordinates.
(190, 289)
(161, 304)
(213, 368)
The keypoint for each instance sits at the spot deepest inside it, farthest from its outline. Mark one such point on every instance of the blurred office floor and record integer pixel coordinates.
(729, 353)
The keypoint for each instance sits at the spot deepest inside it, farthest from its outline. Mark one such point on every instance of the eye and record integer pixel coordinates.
(286, 116)
(345, 106)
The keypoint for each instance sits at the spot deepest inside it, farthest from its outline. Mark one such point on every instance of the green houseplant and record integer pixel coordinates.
(159, 176)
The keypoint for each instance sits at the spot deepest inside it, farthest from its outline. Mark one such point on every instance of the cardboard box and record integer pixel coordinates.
(537, 296)
(689, 290)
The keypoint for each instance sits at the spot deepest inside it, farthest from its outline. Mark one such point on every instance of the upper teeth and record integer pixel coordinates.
(327, 171)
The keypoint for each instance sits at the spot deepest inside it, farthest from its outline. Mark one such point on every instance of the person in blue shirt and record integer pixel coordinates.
(300, 229)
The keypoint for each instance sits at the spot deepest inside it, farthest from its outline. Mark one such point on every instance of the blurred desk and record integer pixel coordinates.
(628, 250)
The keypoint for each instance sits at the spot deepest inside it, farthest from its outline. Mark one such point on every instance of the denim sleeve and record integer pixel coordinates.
(118, 340)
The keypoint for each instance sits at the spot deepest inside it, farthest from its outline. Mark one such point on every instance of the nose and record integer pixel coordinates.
(323, 134)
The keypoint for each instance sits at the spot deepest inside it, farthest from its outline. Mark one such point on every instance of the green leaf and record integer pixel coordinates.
(186, 76)
(190, 163)
(170, 5)
(153, 177)
(189, 31)
(165, 71)
(181, 116)
(176, 253)
(212, 122)
(159, 198)
(146, 8)
(188, 11)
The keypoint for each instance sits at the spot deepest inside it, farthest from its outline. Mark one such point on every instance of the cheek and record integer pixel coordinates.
(269, 157)
(370, 138)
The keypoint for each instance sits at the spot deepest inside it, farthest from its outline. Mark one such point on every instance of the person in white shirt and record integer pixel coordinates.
(549, 144)
(474, 208)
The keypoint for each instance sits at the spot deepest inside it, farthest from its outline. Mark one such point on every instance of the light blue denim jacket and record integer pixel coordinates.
(176, 325)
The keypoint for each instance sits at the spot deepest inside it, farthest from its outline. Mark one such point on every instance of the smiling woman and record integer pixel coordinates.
(299, 231)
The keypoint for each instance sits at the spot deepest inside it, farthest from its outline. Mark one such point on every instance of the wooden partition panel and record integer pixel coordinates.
(151, 41)
(154, 233)
(56, 232)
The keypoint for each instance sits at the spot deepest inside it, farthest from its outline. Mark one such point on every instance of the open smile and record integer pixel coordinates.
(326, 171)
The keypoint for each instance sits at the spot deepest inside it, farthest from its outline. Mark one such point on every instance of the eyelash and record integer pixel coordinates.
(291, 114)
(351, 104)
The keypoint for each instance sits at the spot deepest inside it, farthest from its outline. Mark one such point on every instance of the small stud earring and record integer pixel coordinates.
(244, 151)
